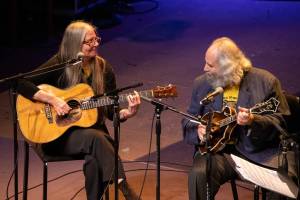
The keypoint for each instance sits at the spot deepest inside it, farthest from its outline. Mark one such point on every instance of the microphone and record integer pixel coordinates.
(77, 60)
(210, 96)
(80, 55)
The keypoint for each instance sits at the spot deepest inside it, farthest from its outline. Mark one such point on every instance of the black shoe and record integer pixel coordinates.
(128, 192)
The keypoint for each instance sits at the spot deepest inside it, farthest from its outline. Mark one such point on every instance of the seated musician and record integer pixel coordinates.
(256, 136)
(94, 143)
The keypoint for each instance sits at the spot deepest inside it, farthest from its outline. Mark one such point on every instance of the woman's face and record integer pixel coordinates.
(90, 44)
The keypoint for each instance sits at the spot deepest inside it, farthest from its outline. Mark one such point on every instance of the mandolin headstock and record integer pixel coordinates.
(269, 106)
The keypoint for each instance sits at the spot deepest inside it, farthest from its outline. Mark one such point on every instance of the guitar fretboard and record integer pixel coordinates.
(105, 101)
(227, 120)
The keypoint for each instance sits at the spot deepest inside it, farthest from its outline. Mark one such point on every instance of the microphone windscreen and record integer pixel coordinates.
(80, 55)
(219, 90)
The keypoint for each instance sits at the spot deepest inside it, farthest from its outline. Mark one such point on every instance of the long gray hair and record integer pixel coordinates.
(70, 46)
(231, 60)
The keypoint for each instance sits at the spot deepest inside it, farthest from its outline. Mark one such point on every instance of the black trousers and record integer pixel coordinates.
(220, 172)
(96, 147)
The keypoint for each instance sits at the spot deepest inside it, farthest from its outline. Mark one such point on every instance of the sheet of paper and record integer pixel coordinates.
(264, 177)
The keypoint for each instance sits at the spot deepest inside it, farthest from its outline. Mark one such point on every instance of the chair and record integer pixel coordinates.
(234, 190)
(255, 191)
(293, 120)
(292, 127)
(45, 159)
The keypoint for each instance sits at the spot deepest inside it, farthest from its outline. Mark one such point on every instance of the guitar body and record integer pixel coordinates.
(39, 122)
(220, 135)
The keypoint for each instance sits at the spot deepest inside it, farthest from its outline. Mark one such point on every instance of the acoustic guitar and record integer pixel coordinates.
(39, 122)
(223, 124)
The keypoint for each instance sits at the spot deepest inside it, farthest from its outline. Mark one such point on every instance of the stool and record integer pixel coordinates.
(45, 159)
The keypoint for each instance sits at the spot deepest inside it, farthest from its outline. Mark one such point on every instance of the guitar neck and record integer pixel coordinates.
(105, 101)
(228, 120)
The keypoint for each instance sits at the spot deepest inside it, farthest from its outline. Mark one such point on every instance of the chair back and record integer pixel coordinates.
(293, 120)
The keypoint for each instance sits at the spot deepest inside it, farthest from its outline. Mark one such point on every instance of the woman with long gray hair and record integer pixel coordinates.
(93, 143)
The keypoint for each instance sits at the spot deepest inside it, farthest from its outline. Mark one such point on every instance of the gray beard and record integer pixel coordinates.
(217, 81)
(225, 78)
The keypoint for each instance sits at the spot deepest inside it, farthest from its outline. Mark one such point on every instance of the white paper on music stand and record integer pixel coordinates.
(264, 177)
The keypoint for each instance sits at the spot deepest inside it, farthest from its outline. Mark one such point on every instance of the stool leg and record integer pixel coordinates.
(45, 179)
(107, 193)
(234, 190)
(256, 192)
(263, 194)
(26, 169)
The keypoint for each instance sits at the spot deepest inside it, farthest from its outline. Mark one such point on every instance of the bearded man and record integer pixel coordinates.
(256, 135)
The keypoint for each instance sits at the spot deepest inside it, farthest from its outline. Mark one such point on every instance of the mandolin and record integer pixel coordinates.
(223, 124)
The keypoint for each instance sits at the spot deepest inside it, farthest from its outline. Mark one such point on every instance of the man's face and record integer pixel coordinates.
(211, 67)
(219, 75)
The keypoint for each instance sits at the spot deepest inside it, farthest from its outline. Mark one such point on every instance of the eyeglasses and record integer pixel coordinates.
(92, 41)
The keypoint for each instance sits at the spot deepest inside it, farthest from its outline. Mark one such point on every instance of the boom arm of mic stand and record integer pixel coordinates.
(116, 91)
(41, 71)
(168, 107)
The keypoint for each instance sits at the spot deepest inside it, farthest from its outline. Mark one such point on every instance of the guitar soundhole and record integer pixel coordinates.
(73, 104)
(73, 116)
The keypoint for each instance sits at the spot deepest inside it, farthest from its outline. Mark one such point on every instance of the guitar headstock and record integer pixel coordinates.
(269, 106)
(164, 92)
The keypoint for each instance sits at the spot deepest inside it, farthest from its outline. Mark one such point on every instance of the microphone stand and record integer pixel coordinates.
(289, 142)
(207, 102)
(159, 107)
(208, 152)
(286, 145)
(13, 94)
(116, 123)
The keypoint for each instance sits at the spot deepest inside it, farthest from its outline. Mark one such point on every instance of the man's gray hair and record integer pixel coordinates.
(231, 60)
